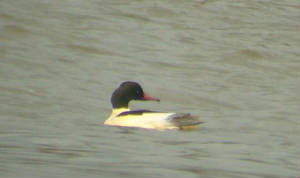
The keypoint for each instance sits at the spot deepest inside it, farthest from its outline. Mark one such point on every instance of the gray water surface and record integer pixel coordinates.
(235, 64)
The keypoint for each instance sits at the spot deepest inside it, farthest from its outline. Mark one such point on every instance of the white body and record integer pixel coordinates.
(151, 120)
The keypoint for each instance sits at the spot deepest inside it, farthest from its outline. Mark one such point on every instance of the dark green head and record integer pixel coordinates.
(126, 92)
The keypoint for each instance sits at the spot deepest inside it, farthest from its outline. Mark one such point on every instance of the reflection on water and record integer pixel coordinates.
(236, 65)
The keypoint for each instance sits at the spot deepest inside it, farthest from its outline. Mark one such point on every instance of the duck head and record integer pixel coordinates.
(128, 91)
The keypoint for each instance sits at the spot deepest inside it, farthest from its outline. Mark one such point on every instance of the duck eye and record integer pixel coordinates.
(137, 92)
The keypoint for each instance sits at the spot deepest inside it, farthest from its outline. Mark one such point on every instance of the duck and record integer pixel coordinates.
(123, 116)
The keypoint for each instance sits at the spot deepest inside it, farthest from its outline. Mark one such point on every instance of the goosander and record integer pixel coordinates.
(122, 116)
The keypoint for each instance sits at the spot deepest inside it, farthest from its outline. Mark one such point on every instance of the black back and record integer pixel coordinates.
(135, 112)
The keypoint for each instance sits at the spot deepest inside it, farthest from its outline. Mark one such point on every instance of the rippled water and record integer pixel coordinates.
(233, 63)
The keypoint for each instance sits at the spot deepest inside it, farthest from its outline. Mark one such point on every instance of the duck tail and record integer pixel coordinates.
(184, 120)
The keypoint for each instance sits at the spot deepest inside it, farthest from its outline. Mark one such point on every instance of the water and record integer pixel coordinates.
(233, 63)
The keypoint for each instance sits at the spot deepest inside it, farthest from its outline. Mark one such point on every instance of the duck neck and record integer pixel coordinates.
(119, 105)
(117, 111)
(118, 101)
